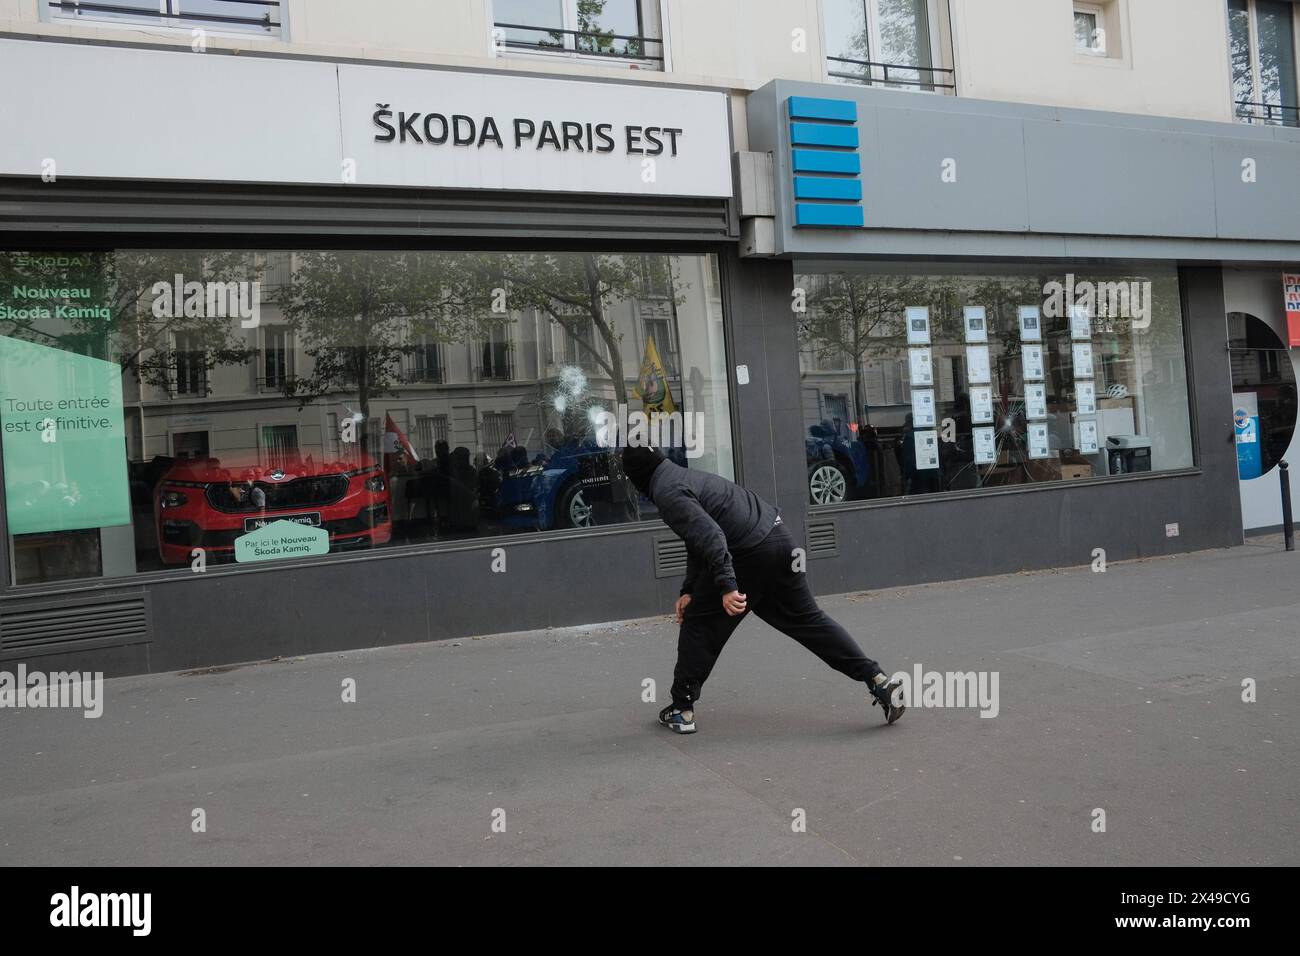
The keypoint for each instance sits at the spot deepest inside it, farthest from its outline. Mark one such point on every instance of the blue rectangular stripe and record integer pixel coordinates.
(814, 187)
(818, 161)
(819, 134)
(816, 214)
(816, 107)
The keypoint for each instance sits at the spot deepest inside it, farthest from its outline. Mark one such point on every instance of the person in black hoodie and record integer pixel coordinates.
(739, 557)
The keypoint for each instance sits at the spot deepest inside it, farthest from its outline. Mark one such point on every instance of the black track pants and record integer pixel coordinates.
(779, 595)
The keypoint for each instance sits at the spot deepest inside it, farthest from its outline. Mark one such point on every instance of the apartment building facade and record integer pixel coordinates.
(313, 312)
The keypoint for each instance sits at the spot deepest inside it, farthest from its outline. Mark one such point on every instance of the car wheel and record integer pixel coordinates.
(573, 510)
(827, 483)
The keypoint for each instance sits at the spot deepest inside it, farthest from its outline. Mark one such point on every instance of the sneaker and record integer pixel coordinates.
(886, 697)
(677, 720)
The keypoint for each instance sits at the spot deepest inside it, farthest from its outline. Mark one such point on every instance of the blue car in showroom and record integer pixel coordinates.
(578, 485)
(838, 466)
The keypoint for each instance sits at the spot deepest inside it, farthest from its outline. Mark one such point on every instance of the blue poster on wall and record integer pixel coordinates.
(1245, 424)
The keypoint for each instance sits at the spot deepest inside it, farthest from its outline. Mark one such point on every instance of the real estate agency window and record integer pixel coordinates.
(970, 378)
(626, 30)
(372, 399)
(1262, 54)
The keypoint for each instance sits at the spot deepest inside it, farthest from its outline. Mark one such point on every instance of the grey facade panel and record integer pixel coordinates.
(1042, 182)
(1269, 205)
(1113, 181)
(903, 163)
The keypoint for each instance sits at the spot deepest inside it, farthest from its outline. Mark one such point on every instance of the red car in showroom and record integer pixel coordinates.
(208, 502)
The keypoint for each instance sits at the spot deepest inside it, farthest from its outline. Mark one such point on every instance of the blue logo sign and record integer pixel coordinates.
(825, 162)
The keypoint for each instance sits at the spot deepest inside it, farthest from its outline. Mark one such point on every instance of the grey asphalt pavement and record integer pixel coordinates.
(1118, 691)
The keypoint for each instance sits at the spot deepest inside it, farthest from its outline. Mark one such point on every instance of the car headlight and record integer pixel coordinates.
(172, 499)
(376, 483)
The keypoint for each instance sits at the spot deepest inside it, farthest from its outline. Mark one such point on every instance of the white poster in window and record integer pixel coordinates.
(927, 450)
(977, 364)
(1031, 324)
(986, 452)
(1088, 437)
(1085, 397)
(1083, 360)
(981, 405)
(1080, 323)
(922, 408)
(922, 367)
(918, 325)
(1032, 359)
(1035, 400)
(977, 327)
(1036, 436)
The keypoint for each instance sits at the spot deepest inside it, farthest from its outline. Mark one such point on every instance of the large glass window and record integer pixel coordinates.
(1261, 37)
(606, 28)
(883, 43)
(164, 409)
(928, 381)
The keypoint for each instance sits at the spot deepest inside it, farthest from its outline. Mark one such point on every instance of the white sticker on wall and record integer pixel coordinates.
(1083, 360)
(922, 366)
(918, 325)
(1085, 397)
(1036, 436)
(1088, 437)
(1080, 323)
(742, 374)
(1035, 400)
(927, 450)
(1032, 359)
(977, 364)
(985, 446)
(922, 408)
(1031, 324)
(981, 404)
(977, 326)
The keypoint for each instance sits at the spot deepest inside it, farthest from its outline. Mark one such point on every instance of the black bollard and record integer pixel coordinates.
(1288, 529)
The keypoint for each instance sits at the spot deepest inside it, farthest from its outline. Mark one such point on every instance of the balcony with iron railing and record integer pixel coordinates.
(636, 51)
(240, 16)
(1267, 114)
(494, 373)
(873, 73)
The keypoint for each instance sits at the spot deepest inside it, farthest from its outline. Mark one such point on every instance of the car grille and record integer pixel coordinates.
(300, 493)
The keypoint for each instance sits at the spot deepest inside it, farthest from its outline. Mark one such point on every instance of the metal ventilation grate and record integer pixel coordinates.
(57, 627)
(670, 558)
(822, 539)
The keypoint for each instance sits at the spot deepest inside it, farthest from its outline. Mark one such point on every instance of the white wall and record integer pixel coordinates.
(1172, 56)
(1259, 293)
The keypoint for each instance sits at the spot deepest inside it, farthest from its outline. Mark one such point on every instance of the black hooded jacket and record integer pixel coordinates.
(714, 517)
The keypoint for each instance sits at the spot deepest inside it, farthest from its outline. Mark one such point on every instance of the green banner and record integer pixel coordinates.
(281, 539)
(64, 439)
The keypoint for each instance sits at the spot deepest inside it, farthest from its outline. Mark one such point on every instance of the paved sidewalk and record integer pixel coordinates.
(1119, 691)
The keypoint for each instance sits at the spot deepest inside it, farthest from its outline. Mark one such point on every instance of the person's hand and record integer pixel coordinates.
(679, 608)
(734, 603)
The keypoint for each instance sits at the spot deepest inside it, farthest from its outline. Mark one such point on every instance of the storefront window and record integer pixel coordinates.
(166, 409)
(925, 382)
